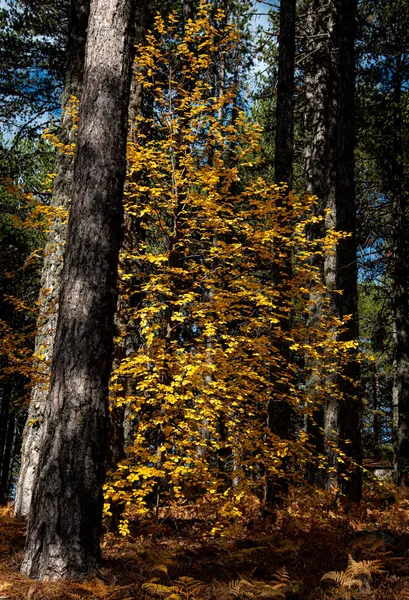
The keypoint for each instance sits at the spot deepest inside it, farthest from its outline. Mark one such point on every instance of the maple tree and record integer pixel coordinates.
(200, 281)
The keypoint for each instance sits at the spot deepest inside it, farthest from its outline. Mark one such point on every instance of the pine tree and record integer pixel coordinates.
(65, 515)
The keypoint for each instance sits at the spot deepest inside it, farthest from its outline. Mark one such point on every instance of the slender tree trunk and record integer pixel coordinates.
(400, 298)
(5, 402)
(350, 408)
(376, 426)
(65, 515)
(53, 261)
(284, 140)
(280, 413)
(7, 456)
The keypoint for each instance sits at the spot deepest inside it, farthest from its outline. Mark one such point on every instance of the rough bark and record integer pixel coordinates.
(280, 412)
(284, 139)
(320, 178)
(6, 448)
(53, 261)
(350, 408)
(66, 510)
(377, 424)
(400, 299)
(330, 172)
(120, 421)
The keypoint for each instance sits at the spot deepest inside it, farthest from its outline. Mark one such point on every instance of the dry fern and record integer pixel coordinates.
(355, 569)
(363, 567)
(155, 588)
(181, 588)
(188, 585)
(250, 588)
(342, 579)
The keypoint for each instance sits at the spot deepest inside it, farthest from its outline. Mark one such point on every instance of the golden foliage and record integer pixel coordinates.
(204, 284)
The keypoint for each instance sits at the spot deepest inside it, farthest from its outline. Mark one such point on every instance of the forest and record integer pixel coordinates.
(204, 299)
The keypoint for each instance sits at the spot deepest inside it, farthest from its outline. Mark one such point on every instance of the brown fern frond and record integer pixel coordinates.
(341, 578)
(155, 588)
(97, 588)
(188, 584)
(242, 588)
(282, 577)
(363, 567)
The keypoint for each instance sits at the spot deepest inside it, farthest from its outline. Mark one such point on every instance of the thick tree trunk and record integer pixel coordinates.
(65, 515)
(53, 261)
(330, 172)
(320, 178)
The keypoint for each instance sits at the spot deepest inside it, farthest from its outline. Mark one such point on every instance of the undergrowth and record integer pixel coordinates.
(311, 548)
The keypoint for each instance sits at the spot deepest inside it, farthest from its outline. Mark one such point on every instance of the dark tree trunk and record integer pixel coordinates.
(331, 173)
(120, 420)
(6, 450)
(347, 270)
(284, 140)
(320, 177)
(5, 401)
(188, 10)
(400, 301)
(279, 410)
(53, 260)
(65, 515)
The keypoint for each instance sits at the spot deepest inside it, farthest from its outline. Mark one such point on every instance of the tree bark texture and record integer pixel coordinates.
(346, 254)
(400, 300)
(284, 140)
(65, 515)
(7, 428)
(53, 261)
(279, 411)
(330, 173)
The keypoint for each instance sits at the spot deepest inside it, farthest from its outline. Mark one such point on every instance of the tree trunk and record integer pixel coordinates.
(53, 260)
(280, 415)
(350, 408)
(6, 455)
(65, 515)
(330, 172)
(284, 140)
(400, 301)
(376, 424)
(320, 178)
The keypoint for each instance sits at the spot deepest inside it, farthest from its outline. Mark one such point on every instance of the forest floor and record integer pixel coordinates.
(281, 557)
